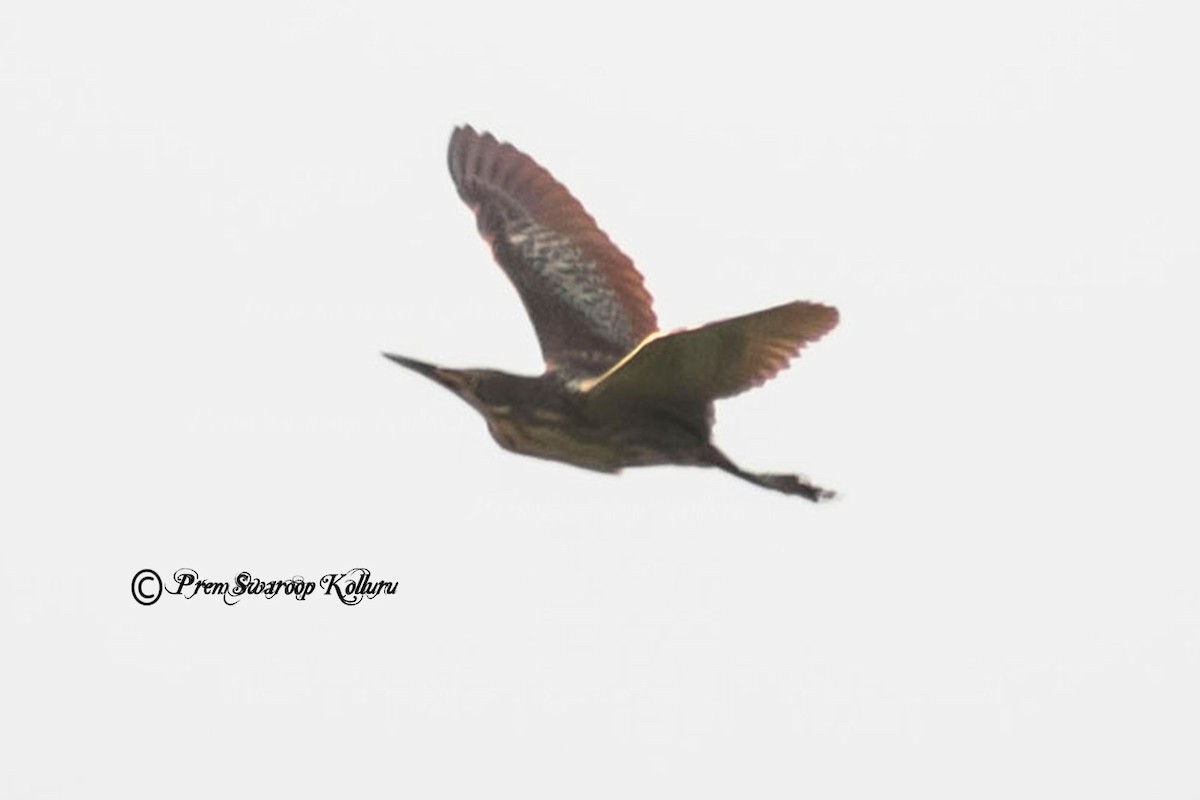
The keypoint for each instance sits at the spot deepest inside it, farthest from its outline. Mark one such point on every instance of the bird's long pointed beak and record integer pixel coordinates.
(428, 370)
(446, 377)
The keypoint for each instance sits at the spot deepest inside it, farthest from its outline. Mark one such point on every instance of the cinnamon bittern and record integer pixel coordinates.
(617, 392)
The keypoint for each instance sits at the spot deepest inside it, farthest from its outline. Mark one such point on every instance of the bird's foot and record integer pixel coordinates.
(792, 484)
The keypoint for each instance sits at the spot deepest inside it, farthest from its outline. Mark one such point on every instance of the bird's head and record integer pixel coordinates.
(475, 386)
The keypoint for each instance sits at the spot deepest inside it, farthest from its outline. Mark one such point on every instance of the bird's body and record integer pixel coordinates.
(617, 392)
(544, 417)
(565, 431)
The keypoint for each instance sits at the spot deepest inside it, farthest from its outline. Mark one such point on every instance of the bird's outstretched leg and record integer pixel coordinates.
(788, 484)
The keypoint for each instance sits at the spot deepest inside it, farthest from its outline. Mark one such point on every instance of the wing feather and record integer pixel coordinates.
(711, 361)
(587, 302)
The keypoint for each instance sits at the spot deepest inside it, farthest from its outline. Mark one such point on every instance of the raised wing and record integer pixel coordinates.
(711, 361)
(585, 298)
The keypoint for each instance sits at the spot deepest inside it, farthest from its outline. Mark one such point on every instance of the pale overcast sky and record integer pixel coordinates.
(215, 216)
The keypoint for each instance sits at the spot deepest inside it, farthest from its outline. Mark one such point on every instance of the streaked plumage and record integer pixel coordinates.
(616, 392)
(586, 301)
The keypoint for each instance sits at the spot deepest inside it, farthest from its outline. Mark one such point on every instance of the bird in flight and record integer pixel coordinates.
(616, 392)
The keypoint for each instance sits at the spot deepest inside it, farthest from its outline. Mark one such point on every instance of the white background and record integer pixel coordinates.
(214, 216)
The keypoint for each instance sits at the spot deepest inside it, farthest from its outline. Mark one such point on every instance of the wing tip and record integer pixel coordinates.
(477, 157)
(465, 134)
(811, 319)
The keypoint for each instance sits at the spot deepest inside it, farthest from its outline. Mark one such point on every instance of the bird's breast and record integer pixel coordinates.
(560, 437)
